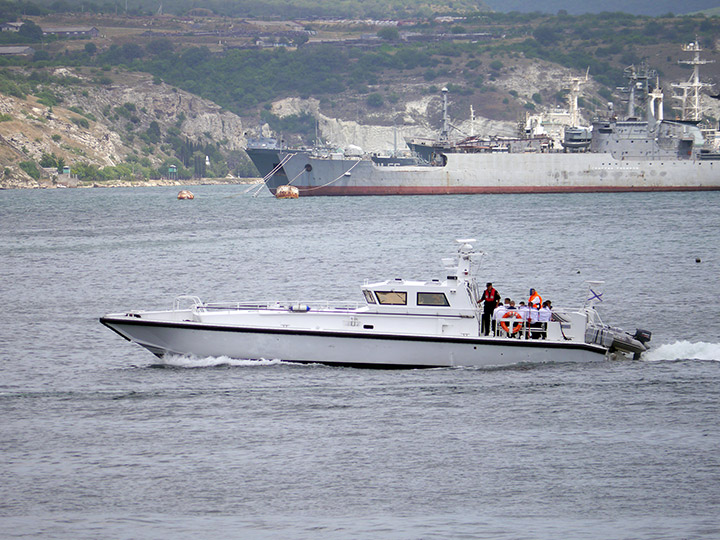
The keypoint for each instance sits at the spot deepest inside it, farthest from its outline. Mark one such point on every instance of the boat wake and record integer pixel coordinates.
(684, 350)
(181, 361)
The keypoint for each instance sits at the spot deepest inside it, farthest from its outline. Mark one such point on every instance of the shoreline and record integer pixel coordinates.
(135, 183)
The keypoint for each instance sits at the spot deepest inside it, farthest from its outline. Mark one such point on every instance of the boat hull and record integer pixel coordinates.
(344, 348)
(494, 173)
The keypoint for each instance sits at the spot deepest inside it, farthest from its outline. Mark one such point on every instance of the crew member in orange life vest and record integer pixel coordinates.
(490, 298)
(535, 299)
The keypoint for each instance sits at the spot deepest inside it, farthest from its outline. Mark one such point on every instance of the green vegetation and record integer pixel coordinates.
(30, 168)
(303, 124)
(243, 80)
(51, 160)
(375, 100)
(389, 33)
(79, 111)
(140, 168)
(29, 32)
(81, 122)
(241, 8)
(362, 75)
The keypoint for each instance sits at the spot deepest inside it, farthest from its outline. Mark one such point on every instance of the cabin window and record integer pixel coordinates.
(432, 299)
(369, 298)
(392, 298)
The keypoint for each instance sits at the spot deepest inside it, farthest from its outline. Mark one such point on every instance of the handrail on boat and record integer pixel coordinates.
(196, 302)
(285, 305)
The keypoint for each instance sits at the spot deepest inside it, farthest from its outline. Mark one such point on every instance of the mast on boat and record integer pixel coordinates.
(688, 93)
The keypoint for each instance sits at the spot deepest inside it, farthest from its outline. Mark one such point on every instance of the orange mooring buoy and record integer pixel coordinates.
(287, 192)
(186, 194)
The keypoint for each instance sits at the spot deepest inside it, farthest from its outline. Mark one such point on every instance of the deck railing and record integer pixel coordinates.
(295, 306)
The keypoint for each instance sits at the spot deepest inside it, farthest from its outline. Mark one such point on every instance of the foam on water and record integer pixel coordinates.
(679, 350)
(684, 350)
(178, 361)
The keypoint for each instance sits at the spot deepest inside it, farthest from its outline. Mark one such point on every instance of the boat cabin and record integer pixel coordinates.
(455, 295)
(418, 296)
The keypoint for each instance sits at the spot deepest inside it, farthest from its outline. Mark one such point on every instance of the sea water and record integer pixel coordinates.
(99, 439)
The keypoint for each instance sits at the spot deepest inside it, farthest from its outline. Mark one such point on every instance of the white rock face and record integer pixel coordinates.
(383, 139)
(165, 104)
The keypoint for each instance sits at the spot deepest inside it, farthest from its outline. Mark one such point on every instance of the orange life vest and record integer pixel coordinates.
(535, 300)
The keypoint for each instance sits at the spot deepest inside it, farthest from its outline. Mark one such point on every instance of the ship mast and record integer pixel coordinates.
(574, 86)
(689, 91)
(637, 80)
(472, 121)
(445, 132)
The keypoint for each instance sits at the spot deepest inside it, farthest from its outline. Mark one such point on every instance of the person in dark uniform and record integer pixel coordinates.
(490, 299)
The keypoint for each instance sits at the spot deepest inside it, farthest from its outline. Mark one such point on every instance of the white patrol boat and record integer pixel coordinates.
(401, 324)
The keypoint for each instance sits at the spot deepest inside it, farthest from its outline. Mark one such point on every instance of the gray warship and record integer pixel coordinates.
(630, 154)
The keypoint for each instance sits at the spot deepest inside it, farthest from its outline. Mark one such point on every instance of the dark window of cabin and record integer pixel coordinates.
(369, 298)
(432, 299)
(392, 298)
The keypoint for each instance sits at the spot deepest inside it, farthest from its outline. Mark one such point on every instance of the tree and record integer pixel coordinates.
(86, 171)
(153, 132)
(159, 46)
(299, 40)
(31, 31)
(194, 56)
(90, 48)
(545, 35)
(41, 55)
(389, 33)
(30, 168)
(48, 160)
(375, 100)
(199, 164)
(131, 51)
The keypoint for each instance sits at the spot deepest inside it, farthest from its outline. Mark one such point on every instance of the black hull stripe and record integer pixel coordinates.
(109, 321)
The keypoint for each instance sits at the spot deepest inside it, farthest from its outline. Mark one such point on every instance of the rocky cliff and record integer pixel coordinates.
(86, 127)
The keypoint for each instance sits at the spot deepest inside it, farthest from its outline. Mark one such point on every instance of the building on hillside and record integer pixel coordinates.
(18, 50)
(71, 31)
(10, 26)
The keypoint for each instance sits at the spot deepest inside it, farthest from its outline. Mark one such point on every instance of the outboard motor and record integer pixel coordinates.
(643, 336)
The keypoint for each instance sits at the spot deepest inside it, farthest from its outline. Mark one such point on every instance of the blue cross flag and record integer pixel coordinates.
(595, 294)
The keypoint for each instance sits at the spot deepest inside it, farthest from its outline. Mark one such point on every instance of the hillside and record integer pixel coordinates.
(151, 92)
(636, 7)
(264, 9)
(310, 9)
(128, 130)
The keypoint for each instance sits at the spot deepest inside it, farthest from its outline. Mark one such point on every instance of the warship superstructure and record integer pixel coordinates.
(630, 154)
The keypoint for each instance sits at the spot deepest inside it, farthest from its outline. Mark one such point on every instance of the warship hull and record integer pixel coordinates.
(476, 173)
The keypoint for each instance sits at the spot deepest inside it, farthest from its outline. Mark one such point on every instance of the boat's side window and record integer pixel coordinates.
(432, 299)
(392, 298)
(369, 298)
